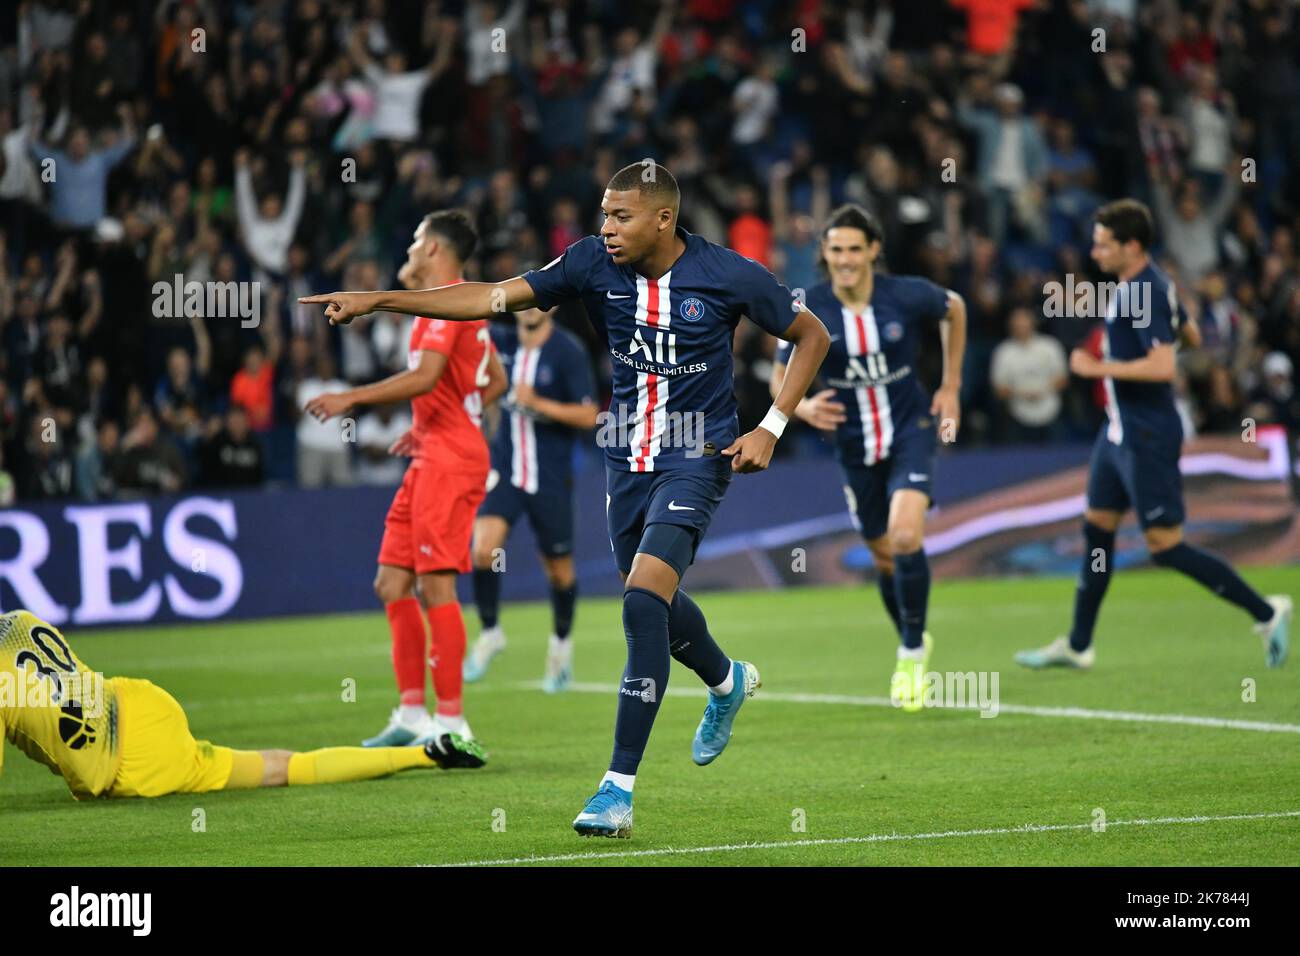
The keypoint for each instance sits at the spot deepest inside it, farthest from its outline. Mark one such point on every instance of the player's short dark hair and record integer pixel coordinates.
(1127, 219)
(456, 227)
(656, 184)
(853, 216)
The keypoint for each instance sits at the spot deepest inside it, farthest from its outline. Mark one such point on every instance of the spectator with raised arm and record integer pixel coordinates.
(267, 226)
(79, 187)
(1012, 161)
(1190, 229)
(397, 91)
(796, 244)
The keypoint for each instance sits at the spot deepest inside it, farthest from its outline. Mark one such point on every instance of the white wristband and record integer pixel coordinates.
(774, 421)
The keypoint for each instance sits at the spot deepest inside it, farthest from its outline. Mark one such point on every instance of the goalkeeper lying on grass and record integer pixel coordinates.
(128, 738)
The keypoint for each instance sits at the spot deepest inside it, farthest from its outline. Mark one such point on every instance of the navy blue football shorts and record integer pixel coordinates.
(549, 511)
(1143, 476)
(686, 498)
(868, 488)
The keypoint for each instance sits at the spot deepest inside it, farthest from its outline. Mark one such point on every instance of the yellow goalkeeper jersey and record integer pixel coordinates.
(54, 708)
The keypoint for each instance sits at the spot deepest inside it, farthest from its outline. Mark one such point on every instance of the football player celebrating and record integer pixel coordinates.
(666, 304)
(452, 372)
(884, 423)
(552, 398)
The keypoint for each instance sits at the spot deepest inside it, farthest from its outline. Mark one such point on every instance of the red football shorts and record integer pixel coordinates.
(431, 520)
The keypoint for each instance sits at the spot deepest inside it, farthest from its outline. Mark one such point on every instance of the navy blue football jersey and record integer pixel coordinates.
(872, 361)
(529, 451)
(669, 342)
(1141, 411)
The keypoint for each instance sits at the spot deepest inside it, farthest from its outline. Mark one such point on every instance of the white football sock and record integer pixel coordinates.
(455, 725)
(623, 781)
(412, 715)
(728, 685)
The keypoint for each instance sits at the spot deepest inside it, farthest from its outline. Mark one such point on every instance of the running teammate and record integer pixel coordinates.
(1135, 457)
(885, 425)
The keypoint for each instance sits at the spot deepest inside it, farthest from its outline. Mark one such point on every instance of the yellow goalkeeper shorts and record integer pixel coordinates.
(159, 755)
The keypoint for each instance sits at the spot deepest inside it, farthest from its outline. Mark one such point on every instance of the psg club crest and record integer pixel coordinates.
(893, 331)
(692, 309)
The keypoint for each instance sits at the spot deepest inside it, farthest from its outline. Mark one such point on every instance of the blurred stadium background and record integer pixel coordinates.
(159, 468)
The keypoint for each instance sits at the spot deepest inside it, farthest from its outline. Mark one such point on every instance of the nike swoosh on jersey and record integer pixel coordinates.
(913, 476)
(674, 506)
(610, 295)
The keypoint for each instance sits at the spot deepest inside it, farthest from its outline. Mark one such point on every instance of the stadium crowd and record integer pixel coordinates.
(296, 143)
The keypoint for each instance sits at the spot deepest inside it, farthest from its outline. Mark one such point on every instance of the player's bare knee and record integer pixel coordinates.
(1162, 539)
(438, 588)
(275, 767)
(490, 534)
(881, 555)
(652, 574)
(1105, 520)
(904, 541)
(559, 572)
(392, 585)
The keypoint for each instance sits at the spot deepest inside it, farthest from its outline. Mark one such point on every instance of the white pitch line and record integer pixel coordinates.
(1081, 713)
(873, 838)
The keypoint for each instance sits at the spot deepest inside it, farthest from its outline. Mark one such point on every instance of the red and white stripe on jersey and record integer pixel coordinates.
(653, 311)
(862, 338)
(1114, 426)
(523, 434)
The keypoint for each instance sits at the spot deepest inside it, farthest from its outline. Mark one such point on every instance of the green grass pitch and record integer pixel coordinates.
(810, 753)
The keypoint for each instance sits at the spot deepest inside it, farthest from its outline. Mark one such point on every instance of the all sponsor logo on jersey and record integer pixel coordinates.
(664, 347)
(868, 371)
(867, 368)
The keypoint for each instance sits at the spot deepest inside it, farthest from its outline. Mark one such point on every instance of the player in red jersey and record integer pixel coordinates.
(452, 372)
